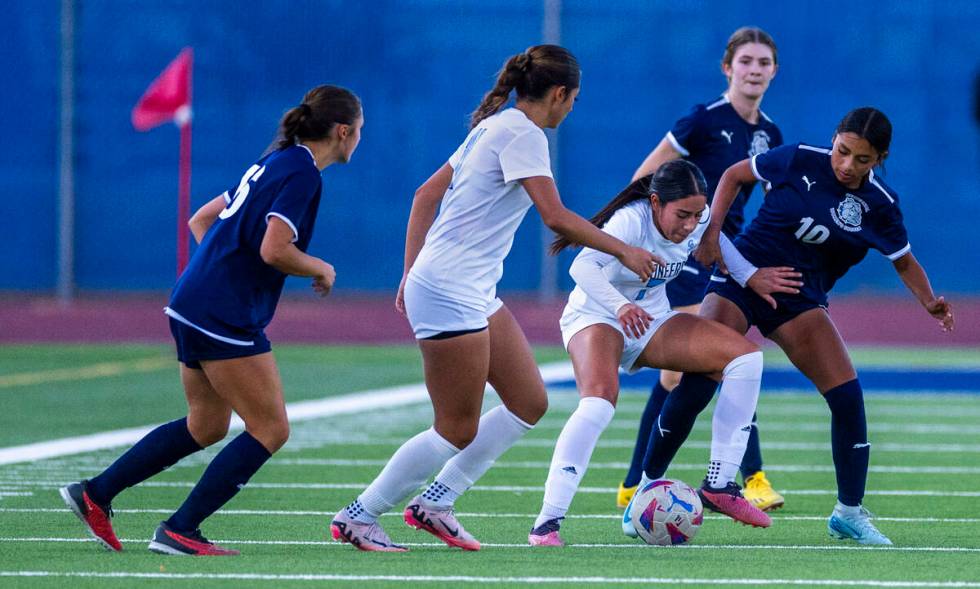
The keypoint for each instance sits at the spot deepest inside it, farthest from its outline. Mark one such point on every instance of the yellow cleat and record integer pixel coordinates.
(759, 492)
(625, 495)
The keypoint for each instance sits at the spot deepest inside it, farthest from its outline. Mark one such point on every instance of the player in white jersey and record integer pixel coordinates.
(467, 336)
(616, 319)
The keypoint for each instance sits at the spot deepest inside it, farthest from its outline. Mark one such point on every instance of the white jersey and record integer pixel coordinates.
(465, 247)
(603, 284)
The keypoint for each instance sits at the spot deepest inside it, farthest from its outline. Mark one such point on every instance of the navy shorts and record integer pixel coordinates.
(194, 346)
(690, 285)
(757, 311)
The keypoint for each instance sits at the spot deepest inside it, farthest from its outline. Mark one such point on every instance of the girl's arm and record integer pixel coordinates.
(205, 216)
(709, 251)
(559, 219)
(278, 251)
(663, 153)
(425, 205)
(914, 276)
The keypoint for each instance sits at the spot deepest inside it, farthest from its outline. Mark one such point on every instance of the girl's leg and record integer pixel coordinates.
(815, 347)
(595, 353)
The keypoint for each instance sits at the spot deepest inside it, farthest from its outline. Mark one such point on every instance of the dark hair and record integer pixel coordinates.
(871, 124)
(531, 74)
(744, 36)
(672, 181)
(321, 109)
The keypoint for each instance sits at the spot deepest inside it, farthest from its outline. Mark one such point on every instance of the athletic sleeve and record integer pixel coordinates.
(526, 156)
(773, 166)
(889, 235)
(685, 131)
(293, 199)
(738, 267)
(587, 268)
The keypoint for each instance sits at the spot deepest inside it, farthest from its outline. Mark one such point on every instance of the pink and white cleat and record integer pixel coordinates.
(367, 537)
(729, 501)
(546, 534)
(441, 523)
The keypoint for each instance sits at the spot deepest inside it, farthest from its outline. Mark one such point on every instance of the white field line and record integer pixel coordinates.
(626, 544)
(766, 426)
(300, 411)
(93, 371)
(52, 484)
(466, 515)
(306, 577)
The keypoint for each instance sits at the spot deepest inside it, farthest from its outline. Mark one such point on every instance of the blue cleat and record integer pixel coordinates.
(628, 528)
(854, 523)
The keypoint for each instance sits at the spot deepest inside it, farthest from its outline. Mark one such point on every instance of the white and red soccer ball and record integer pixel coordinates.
(666, 512)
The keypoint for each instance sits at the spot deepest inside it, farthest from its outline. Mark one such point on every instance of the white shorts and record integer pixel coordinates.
(573, 322)
(431, 313)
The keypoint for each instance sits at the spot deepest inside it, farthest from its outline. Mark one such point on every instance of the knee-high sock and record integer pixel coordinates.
(573, 450)
(849, 440)
(499, 430)
(223, 479)
(406, 471)
(752, 461)
(732, 421)
(159, 449)
(650, 413)
(675, 421)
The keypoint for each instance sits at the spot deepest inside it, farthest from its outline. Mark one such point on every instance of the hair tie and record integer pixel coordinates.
(306, 108)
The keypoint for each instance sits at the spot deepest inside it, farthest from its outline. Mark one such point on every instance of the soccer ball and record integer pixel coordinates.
(666, 512)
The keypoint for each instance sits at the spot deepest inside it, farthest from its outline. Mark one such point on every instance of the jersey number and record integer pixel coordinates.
(251, 175)
(816, 234)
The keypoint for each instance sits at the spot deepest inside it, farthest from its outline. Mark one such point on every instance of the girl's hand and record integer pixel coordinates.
(323, 281)
(941, 310)
(640, 261)
(708, 252)
(633, 319)
(766, 281)
(400, 297)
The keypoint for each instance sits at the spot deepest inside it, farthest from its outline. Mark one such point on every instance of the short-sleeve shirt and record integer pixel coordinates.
(227, 291)
(714, 136)
(815, 224)
(485, 203)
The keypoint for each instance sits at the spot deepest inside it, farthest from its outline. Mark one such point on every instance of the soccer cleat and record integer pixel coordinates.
(729, 501)
(855, 526)
(546, 534)
(167, 541)
(759, 492)
(441, 523)
(628, 528)
(367, 537)
(625, 495)
(95, 517)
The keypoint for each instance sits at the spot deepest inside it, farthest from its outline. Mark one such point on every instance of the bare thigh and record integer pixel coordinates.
(813, 345)
(208, 414)
(688, 343)
(596, 352)
(513, 372)
(251, 385)
(718, 308)
(669, 378)
(456, 372)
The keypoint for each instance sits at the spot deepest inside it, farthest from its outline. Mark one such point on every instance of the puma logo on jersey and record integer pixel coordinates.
(808, 183)
(727, 135)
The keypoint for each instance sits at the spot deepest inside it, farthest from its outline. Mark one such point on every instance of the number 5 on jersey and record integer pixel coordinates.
(241, 193)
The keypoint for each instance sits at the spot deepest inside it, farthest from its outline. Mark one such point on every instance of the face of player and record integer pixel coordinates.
(678, 218)
(564, 101)
(852, 158)
(751, 70)
(350, 139)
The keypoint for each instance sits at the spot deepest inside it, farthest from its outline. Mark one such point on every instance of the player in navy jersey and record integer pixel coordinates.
(826, 209)
(715, 135)
(251, 237)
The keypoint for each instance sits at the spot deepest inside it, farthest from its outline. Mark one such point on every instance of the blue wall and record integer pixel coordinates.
(419, 68)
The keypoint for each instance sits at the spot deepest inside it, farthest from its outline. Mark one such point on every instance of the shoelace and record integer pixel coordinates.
(199, 537)
(863, 522)
(552, 525)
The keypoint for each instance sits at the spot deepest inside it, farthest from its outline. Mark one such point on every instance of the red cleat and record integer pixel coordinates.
(729, 501)
(167, 541)
(95, 517)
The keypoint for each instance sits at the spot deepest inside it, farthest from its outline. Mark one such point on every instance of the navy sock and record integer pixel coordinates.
(650, 413)
(225, 476)
(849, 440)
(159, 449)
(675, 421)
(752, 460)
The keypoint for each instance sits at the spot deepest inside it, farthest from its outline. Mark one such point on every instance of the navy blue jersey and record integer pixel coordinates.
(812, 222)
(714, 137)
(227, 291)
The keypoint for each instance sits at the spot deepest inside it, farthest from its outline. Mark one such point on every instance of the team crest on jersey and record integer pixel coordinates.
(691, 244)
(760, 143)
(849, 212)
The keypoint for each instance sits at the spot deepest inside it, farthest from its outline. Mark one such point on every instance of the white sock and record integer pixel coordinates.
(732, 421)
(499, 430)
(721, 473)
(406, 471)
(573, 450)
